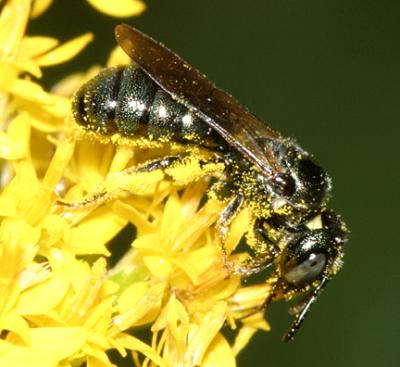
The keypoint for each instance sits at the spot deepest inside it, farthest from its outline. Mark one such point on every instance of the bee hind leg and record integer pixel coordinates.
(102, 195)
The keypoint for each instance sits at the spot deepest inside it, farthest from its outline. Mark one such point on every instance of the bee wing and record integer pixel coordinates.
(236, 125)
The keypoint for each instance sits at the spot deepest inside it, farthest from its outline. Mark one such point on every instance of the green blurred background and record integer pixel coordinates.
(326, 73)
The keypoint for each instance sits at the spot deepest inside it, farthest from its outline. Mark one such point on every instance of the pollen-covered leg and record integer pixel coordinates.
(224, 222)
(120, 182)
(254, 265)
(144, 178)
(264, 251)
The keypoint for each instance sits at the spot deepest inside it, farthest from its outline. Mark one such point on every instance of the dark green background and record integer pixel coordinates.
(326, 73)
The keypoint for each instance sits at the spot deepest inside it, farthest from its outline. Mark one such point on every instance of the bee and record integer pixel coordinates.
(163, 98)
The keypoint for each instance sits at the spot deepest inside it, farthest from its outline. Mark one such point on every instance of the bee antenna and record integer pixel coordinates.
(302, 313)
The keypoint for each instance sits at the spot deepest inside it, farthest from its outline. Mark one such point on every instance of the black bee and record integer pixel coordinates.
(163, 98)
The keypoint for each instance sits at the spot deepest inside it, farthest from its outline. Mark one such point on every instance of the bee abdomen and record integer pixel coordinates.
(171, 120)
(93, 104)
(118, 99)
(125, 100)
(133, 104)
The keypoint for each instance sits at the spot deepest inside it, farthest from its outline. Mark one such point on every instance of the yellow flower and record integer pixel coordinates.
(61, 304)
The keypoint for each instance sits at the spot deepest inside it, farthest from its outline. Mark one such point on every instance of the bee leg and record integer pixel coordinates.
(101, 196)
(255, 265)
(265, 250)
(161, 163)
(225, 219)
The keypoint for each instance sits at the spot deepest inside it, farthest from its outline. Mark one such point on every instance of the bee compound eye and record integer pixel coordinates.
(306, 271)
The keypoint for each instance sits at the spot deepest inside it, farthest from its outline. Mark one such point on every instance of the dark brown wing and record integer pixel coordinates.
(221, 111)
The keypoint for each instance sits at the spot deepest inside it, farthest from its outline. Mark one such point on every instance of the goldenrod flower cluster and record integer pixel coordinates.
(61, 304)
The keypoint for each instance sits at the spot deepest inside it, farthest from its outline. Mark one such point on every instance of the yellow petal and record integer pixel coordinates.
(91, 157)
(57, 165)
(194, 263)
(219, 354)
(13, 19)
(9, 72)
(54, 228)
(59, 107)
(30, 91)
(15, 144)
(203, 334)
(17, 325)
(119, 8)
(36, 45)
(158, 266)
(191, 198)
(68, 85)
(91, 236)
(121, 158)
(99, 318)
(179, 326)
(98, 340)
(172, 218)
(33, 274)
(17, 190)
(257, 321)
(44, 296)
(23, 239)
(50, 117)
(10, 149)
(128, 212)
(39, 206)
(134, 344)
(218, 286)
(139, 305)
(12, 355)
(26, 64)
(250, 297)
(8, 207)
(39, 7)
(65, 52)
(131, 296)
(59, 341)
(97, 357)
(194, 228)
(243, 338)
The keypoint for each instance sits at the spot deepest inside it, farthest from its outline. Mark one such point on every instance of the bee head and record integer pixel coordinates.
(307, 262)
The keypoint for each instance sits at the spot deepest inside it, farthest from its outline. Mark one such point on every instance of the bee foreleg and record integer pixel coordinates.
(264, 251)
